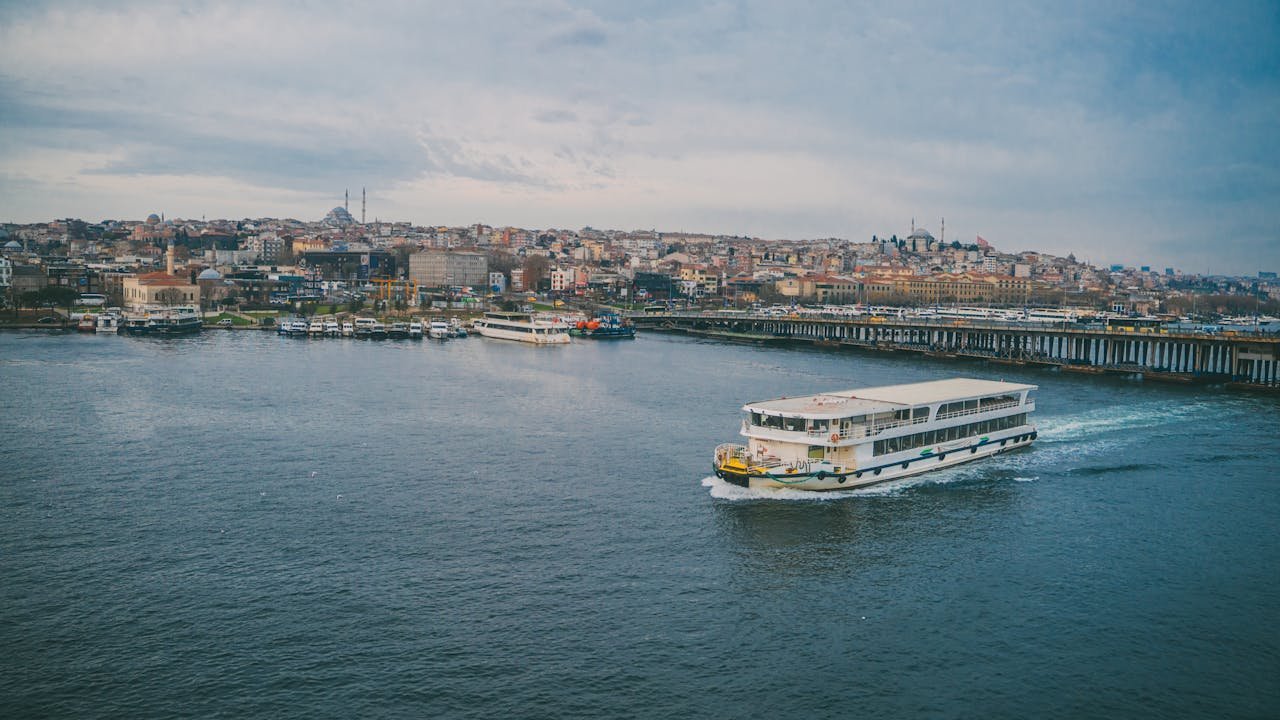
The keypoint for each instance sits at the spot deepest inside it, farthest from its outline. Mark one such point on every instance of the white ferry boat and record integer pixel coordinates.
(522, 327)
(855, 438)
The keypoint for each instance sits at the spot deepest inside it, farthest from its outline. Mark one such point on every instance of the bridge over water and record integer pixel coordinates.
(1238, 359)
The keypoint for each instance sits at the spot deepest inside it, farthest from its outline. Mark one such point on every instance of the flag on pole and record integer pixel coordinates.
(982, 243)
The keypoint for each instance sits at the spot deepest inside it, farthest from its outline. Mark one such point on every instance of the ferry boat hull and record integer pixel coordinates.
(825, 477)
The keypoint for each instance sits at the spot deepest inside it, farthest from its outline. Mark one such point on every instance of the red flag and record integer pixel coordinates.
(982, 243)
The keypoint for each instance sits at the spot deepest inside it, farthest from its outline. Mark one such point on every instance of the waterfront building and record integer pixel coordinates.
(442, 268)
(160, 288)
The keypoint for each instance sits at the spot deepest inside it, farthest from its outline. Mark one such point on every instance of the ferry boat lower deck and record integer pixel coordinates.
(857, 438)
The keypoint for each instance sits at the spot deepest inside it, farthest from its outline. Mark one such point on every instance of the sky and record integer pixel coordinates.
(1143, 133)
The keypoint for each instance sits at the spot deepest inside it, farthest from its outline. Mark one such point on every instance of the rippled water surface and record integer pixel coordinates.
(242, 525)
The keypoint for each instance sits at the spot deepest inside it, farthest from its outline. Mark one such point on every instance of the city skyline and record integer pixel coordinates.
(1144, 136)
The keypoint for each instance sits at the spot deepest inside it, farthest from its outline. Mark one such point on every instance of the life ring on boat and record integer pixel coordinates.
(835, 437)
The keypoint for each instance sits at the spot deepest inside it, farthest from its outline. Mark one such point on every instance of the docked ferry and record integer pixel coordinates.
(180, 320)
(522, 327)
(856, 438)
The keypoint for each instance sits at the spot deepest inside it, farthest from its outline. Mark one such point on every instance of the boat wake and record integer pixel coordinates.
(1090, 425)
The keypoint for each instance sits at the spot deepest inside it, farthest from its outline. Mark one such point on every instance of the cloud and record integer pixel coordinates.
(1129, 134)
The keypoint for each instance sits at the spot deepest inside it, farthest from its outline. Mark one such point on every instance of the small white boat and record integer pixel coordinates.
(438, 330)
(315, 328)
(415, 330)
(331, 328)
(348, 328)
(108, 323)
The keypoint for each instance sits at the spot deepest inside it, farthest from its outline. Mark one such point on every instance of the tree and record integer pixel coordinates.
(170, 296)
(58, 295)
(30, 298)
(535, 269)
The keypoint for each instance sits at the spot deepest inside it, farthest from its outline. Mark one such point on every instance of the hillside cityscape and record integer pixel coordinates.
(265, 262)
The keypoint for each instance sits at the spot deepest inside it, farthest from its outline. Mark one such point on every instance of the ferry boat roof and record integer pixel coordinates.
(870, 400)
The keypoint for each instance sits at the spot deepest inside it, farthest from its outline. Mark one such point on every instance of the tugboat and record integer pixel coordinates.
(608, 326)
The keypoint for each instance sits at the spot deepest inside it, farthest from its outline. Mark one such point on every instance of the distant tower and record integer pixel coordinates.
(168, 259)
(362, 201)
(346, 200)
(913, 224)
(942, 234)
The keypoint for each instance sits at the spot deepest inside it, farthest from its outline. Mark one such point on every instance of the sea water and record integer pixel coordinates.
(244, 525)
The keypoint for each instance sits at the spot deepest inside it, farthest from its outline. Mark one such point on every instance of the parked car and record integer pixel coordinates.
(49, 320)
(224, 322)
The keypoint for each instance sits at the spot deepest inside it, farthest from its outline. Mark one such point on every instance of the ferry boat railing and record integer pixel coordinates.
(975, 411)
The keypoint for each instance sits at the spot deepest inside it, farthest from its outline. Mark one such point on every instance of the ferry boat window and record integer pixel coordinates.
(757, 419)
(818, 426)
(920, 412)
(771, 421)
(815, 452)
(793, 424)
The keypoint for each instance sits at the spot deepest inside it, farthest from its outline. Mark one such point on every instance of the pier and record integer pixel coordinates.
(1164, 354)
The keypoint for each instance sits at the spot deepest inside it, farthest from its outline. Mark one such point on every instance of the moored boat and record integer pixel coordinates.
(88, 323)
(607, 326)
(855, 438)
(348, 328)
(415, 330)
(179, 320)
(522, 327)
(107, 322)
(377, 331)
(363, 328)
(398, 331)
(438, 330)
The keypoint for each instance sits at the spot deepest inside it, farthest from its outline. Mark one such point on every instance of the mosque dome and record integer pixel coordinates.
(153, 219)
(920, 234)
(339, 217)
(209, 274)
(13, 245)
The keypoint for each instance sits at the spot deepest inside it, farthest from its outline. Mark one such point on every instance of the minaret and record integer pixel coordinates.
(346, 200)
(168, 259)
(942, 236)
(362, 199)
